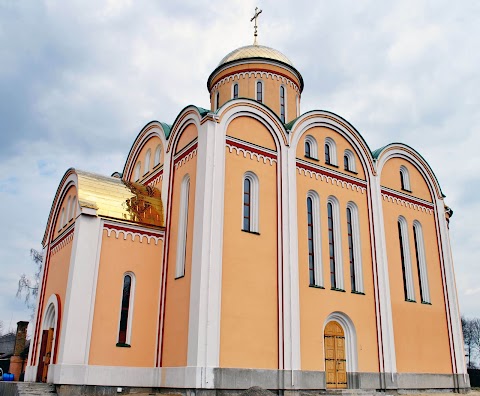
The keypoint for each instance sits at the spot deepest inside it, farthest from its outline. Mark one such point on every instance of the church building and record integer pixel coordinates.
(250, 244)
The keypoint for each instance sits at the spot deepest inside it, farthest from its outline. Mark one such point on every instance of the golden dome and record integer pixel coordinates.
(255, 51)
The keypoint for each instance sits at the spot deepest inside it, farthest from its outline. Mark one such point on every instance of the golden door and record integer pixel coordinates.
(335, 361)
(48, 354)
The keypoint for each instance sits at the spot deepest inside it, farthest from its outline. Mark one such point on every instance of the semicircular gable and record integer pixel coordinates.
(423, 182)
(323, 124)
(189, 115)
(149, 137)
(246, 108)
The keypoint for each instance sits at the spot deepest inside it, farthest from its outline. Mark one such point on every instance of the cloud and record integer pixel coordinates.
(80, 79)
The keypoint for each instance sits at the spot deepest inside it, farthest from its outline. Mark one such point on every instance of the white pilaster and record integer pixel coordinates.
(451, 298)
(384, 307)
(205, 289)
(80, 295)
(291, 293)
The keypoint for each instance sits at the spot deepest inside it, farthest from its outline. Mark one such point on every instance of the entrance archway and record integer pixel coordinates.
(47, 340)
(340, 347)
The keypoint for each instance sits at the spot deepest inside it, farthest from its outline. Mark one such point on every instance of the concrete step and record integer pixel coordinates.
(35, 389)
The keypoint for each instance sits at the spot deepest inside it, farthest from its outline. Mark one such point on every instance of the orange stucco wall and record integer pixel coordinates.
(320, 134)
(390, 178)
(187, 136)
(420, 330)
(177, 300)
(249, 320)
(315, 303)
(247, 88)
(151, 145)
(252, 131)
(118, 256)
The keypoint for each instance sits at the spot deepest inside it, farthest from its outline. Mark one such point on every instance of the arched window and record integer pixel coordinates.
(182, 227)
(217, 100)
(298, 105)
(349, 161)
(137, 171)
(235, 91)
(405, 260)
(354, 248)
(62, 220)
(71, 213)
(334, 244)
(314, 240)
(126, 311)
(259, 86)
(311, 148)
(421, 262)
(146, 167)
(158, 153)
(250, 202)
(330, 152)
(69, 209)
(282, 103)
(404, 178)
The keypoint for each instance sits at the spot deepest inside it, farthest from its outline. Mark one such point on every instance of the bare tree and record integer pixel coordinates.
(28, 286)
(471, 338)
(1, 327)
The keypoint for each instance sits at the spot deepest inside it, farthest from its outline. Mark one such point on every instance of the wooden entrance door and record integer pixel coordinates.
(45, 355)
(335, 358)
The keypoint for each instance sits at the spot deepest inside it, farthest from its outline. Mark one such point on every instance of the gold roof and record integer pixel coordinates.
(255, 51)
(119, 199)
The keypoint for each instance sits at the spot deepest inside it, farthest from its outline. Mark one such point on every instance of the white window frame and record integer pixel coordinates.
(337, 240)
(317, 238)
(357, 250)
(313, 146)
(352, 167)
(217, 100)
(128, 336)
(61, 223)
(138, 169)
(254, 201)
(298, 105)
(333, 151)
(71, 213)
(407, 259)
(158, 155)
(67, 212)
(422, 263)
(146, 166)
(233, 90)
(263, 91)
(285, 102)
(405, 178)
(182, 227)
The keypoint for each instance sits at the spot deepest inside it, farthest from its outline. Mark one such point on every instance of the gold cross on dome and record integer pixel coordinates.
(255, 34)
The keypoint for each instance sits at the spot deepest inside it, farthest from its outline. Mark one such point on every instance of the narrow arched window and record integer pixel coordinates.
(125, 325)
(308, 149)
(217, 100)
(71, 214)
(282, 103)
(259, 91)
(69, 208)
(62, 220)
(311, 149)
(354, 249)
(146, 167)
(349, 161)
(250, 203)
(404, 178)
(182, 227)
(405, 260)
(298, 105)
(330, 152)
(334, 244)
(421, 262)
(314, 241)
(235, 91)
(158, 153)
(137, 171)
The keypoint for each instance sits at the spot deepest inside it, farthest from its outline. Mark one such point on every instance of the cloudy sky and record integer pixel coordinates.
(79, 79)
